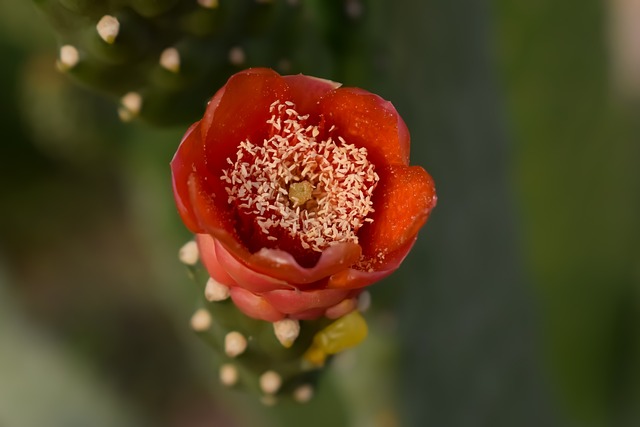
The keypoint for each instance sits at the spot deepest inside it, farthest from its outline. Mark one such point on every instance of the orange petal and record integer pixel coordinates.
(403, 201)
(236, 113)
(367, 120)
(306, 91)
(377, 269)
(242, 113)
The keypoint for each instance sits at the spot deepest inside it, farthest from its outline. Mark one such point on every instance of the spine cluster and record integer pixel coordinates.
(163, 58)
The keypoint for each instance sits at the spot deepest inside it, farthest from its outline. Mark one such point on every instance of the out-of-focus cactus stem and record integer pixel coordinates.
(176, 53)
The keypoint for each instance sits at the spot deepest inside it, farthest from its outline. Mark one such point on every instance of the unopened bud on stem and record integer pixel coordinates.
(286, 330)
(234, 344)
(215, 291)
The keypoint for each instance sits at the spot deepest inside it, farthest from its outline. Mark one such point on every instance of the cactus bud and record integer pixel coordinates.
(108, 28)
(234, 344)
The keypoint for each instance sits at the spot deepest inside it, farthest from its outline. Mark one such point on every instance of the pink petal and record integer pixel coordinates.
(294, 301)
(342, 308)
(281, 265)
(254, 306)
(312, 314)
(245, 277)
(210, 260)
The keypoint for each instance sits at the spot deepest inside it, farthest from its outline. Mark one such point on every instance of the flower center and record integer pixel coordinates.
(315, 190)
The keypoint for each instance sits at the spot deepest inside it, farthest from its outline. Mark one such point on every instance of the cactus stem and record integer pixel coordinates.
(228, 375)
(237, 56)
(269, 400)
(188, 253)
(270, 382)
(108, 28)
(234, 344)
(284, 65)
(303, 393)
(354, 8)
(69, 57)
(208, 4)
(215, 291)
(170, 59)
(364, 301)
(201, 320)
(286, 330)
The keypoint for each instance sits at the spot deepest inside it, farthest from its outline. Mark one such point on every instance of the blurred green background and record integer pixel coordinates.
(520, 305)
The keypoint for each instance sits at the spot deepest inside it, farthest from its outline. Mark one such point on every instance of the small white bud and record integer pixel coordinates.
(131, 106)
(189, 253)
(234, 344)
(364, 301)
(228, 375)
(287, 331)
(237, 56)
(208, 4)
(215, 291)
(108, 28)
(201, 320)
(68, 57)
(270, 382)
(303, 394)
(170, 59)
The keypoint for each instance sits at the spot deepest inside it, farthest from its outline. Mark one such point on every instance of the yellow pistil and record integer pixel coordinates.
(300, 193)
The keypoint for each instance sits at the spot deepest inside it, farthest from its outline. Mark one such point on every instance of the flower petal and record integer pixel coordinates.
(212, 106)
(182, 166)
(367, 120)
(377, 269)
(343, 308)
(403, 201)
(294, 301)
(312, 314)
(254, 306)
(244, 276)
(306, 91)
(207, 249)
(242, 113)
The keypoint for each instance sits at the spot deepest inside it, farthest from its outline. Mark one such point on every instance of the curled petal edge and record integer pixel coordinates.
(352, 278)
(294, 301)
(254, 305)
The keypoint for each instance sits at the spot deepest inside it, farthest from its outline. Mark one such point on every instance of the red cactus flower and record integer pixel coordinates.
(300, 193)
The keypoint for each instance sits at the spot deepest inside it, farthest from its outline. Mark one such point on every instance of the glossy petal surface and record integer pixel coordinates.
(404, 199)
(269, 280)
(366, 120)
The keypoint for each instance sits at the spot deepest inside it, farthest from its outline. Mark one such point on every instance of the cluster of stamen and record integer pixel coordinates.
(317, 191)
